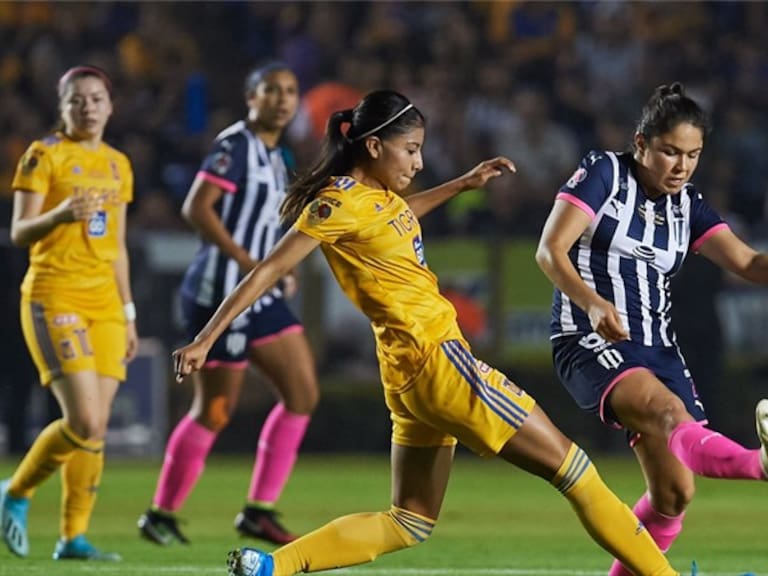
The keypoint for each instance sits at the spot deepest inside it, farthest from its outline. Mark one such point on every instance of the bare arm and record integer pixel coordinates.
(728, 251)
(28, 225)
(199, 211)
(565, 224)
(422, 203)
(292, 249)
(122, 269)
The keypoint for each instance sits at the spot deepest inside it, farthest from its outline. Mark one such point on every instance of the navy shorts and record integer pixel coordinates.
(249, 329)
(589, 367)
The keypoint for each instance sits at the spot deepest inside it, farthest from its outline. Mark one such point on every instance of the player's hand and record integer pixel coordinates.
(486, 170)
(606, 321)
(132, 347)
(79, 207)
(189, 358)
(246, 265)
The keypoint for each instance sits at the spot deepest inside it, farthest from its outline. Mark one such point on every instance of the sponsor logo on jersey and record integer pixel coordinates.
(97, 225)
(658, 218)
(644, 253)
(418, 248)
(64, 319)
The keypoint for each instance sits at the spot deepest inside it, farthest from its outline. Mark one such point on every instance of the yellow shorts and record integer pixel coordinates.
(64, 340)
(456, 397)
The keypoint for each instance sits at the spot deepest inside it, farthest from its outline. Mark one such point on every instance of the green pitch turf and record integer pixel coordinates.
(496, 521)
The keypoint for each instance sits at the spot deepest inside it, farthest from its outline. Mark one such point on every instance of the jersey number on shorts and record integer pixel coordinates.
(68, 348)
(608, 358)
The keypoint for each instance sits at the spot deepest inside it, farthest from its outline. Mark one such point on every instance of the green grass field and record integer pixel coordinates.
(496, 521)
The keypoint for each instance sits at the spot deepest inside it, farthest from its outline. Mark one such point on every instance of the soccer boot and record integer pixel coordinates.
(78, 548)
(262, 524)
(695, 570)
(162, 529)
(761, 420)
(249, 562)
(13, 520)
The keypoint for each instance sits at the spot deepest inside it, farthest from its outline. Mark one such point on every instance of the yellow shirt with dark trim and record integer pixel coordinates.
(75, 258)
(373, 244)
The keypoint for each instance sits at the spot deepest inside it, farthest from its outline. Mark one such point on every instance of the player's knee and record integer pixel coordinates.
(303, 399)
(672, 413)
(215, 416)
(89, 427)
(673, 499)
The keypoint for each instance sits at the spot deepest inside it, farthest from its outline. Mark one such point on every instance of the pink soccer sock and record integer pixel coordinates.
(279, 443)
(185, 455)
(663, 529)
(711, 454)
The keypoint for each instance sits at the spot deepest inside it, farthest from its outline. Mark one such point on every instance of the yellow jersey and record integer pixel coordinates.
(372, 241)
(75, 257)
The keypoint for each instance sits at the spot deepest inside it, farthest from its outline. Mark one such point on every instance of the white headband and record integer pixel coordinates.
(382, 125)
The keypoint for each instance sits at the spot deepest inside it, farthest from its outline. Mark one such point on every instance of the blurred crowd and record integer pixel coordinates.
(540, 82)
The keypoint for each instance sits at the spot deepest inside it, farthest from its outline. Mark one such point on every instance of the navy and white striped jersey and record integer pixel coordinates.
(254, 179)
(632, 248)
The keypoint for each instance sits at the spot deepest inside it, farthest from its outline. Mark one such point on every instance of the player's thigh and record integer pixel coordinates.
(646, 406)
(467, 399)
(288, 362)
(85, 399)
(109, 342)
(57, 338)
(420, 477)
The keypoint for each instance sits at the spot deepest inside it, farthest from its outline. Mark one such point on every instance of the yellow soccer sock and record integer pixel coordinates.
(608, 520)
(52, 448)
(81, 476)
(351, 540)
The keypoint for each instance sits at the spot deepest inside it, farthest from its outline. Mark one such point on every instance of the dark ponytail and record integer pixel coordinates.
(667, 107)
(336, 157)
(382, 113)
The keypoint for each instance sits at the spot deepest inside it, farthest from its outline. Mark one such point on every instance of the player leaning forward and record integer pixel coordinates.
(437, 392)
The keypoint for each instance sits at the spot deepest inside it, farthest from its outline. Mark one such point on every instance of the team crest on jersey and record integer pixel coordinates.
(221, 162)
(578, 176)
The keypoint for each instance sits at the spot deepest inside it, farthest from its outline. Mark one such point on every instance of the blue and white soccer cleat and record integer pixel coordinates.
(13, 520)
(761, 421)
(249, 562)
(78, 548)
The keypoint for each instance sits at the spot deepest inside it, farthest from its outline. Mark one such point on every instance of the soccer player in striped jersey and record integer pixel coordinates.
(71, 190)
(438, 393)
(619, 230)
(234, 204)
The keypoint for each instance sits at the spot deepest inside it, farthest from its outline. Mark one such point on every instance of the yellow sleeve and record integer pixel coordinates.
(327, 218)
(34, 170)
(126, 191)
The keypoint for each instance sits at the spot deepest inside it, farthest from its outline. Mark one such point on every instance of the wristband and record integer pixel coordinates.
(129, 310)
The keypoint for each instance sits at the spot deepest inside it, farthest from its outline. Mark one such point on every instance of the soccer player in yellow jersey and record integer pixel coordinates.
(77, 314)
(437, 392)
